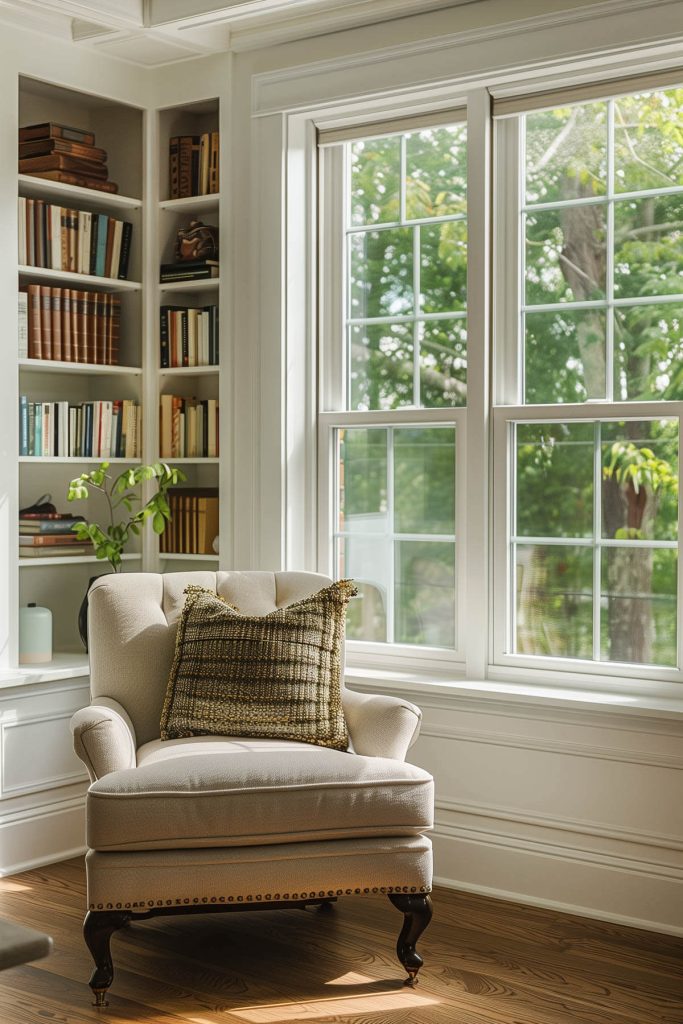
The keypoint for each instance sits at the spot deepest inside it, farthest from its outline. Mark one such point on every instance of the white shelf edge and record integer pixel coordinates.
(62, 366)
(75, 460)
(184, 371)
(69, 277)
(177, 557)
(200, 460)
(193, 285)
(189, 202)
(70, 560)
(44, 187)
(64, 665)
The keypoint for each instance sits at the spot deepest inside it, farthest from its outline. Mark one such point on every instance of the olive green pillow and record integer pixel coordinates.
(276, 676)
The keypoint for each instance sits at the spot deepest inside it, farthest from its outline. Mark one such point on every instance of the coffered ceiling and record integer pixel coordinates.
(155, 32)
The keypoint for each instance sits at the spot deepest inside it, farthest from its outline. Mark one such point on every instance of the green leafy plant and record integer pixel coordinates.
(122, 493)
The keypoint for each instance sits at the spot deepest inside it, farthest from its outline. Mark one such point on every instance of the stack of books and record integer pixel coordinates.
(189, 428)
(188, 337)
(194, 521)
(193, 165)
(65, 154)
(69, 325)
(100, 430)
(45, 534)
(189, 270)
(75, 241)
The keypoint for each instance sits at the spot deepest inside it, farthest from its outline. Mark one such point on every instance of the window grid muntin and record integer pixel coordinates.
(391, 537)
(418, 316)
(596, 542)
(610, 302)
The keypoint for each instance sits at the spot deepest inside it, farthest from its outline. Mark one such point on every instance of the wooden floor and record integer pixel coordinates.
(486, 962)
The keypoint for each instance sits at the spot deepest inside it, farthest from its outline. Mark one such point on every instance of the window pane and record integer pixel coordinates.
(436, 172)
(375, 175)
(363, 481)
(381, 366)
(381, 273)
(554, 600)
(648, 141)
(648, 352)
(555, 479)
(443, 362)
(566, 153)
(640, 480)
(424, 480)
(564, 356)
(648, 246)
(443, 267)
(425, 593)
(566, 255)
(395, 518)
(639, 606)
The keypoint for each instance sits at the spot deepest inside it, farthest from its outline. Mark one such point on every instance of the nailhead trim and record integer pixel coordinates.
(259, 897)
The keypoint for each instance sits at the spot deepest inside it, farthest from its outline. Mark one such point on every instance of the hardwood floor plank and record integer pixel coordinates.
(487, 962)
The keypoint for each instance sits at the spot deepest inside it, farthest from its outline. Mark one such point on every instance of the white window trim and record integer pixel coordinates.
(617, 50)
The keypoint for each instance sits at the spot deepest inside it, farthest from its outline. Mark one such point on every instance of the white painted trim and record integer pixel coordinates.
(49, 782)
(556, 42)
(40, 862)
(563, 824)
(563, 908)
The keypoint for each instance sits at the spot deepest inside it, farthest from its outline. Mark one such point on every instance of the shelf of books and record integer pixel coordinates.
(80, 354)
(188, 329)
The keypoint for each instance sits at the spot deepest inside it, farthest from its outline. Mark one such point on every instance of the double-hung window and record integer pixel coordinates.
(589, 383)
(394, 378)
(585, 396)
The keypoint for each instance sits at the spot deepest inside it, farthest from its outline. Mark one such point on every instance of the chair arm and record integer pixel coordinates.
(104, 738)
(381, 726)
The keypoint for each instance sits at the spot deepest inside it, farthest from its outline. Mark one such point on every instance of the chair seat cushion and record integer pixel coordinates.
(205, 791)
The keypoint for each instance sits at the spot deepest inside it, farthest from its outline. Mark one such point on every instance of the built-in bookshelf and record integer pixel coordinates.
(177, 327)
(106, 354)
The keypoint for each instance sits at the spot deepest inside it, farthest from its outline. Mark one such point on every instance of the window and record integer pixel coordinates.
(587, 390)
(592, 425)
(400, 380)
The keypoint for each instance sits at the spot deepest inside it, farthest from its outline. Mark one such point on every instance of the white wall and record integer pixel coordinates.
(557, 799)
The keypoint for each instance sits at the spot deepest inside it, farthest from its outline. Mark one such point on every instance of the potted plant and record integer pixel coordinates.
(122, 494)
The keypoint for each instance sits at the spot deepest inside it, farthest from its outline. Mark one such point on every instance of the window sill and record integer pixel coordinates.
(537, 694)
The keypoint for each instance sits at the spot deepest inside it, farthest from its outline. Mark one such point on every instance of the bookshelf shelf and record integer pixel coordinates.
(188, 371)
(188, 205)
(29, 563)
(200, 461)
(80, 280)
(89, 369)
(178, 557)
(73, 460)
(43, 188)
(64, 665)
(203, 284)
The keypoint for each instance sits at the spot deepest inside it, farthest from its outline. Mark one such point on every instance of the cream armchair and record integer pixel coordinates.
(225, 823)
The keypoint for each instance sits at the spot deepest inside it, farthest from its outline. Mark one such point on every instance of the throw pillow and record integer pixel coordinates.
(276, 676)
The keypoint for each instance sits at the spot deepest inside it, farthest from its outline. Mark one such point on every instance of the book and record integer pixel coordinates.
(52, 523)
(63, 162)
(124, 259)
(23, 324)
(48, 540)
(213, 163)
(72, 550)
(81, 180)
(189, 270)
(54, 130)
(173, 168)
(44, 147)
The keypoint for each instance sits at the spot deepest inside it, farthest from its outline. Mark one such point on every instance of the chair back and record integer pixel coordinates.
(133, 620)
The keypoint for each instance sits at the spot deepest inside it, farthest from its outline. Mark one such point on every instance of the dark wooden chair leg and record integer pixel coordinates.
(417, 911)
(98, 928)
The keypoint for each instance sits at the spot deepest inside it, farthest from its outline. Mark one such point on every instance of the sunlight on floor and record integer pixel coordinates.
(373, 1002)
(7, 885)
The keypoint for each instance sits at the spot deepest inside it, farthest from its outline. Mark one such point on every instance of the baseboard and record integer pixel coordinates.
(541, 878)
(47, 835)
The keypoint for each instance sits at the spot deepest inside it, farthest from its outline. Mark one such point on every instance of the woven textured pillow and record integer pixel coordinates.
(276, 676)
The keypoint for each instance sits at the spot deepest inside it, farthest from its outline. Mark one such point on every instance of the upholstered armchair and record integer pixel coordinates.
(213, 823)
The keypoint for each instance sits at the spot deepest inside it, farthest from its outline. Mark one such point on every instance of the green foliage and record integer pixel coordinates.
(639, 467)
(122, 493)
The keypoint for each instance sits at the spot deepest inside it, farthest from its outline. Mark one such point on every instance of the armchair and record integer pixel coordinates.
(212, 823)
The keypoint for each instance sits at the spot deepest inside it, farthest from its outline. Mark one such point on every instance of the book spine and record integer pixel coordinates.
(111, 231)
(124, 259)
(22, 323)
(30, 234)
(38, 208)
(173, 168)
(21, 225)
(213, 164)
(185, 336)
(56, 322)
(56, 238)
(185, 167)
(51, 130)
(102, 230)
(195, 165)
(204, 146)
(116, 248)
(23, 425)
(163, 338)
(45, 322)
(64, 238)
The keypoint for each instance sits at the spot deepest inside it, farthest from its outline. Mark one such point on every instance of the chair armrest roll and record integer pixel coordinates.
(104, 738)
(381, 726)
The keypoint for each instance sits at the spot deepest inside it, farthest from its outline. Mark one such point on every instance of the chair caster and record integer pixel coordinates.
(100, 995)
(411, 980)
